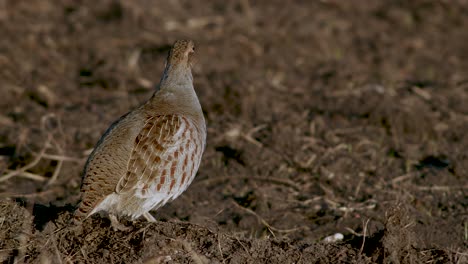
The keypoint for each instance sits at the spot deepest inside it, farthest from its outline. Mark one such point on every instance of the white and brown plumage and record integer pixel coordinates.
(150, 155)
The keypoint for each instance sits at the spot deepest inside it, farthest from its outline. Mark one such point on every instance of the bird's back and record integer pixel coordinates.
(108, 162)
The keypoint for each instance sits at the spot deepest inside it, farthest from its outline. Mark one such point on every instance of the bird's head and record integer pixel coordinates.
(181, 53)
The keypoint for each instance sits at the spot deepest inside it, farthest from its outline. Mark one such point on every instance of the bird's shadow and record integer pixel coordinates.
(45, 213)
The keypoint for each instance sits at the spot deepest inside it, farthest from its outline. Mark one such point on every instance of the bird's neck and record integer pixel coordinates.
(175, 92)
(176, 77)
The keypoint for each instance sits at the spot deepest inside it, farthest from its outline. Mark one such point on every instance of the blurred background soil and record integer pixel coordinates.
(323, 117)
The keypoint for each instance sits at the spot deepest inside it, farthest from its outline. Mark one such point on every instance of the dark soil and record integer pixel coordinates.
(323, 117)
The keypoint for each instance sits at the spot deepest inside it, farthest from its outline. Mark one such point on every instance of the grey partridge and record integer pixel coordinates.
(150, 155)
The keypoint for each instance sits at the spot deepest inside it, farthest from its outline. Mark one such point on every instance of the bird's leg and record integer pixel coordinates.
(149, 217)
(116, 225)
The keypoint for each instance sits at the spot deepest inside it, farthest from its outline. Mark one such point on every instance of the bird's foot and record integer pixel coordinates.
(117, 226)
(149, 217)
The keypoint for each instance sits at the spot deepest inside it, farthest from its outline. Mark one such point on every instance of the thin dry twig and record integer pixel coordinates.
(276, 180)
(58, 167)
(22, 172)
(61, 158)
(56, 173)
(29, 175)
(193, 23)
(403, 177)
(243, 246)
(265, 223)
(57, 146)
(362, 177)
(364, 236)
(353, 232)
(30, 165)
(33, 195)
(440, 188)
(250, 138)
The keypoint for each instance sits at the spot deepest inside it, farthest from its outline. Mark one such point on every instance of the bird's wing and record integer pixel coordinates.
(106, 163)
(155, 155)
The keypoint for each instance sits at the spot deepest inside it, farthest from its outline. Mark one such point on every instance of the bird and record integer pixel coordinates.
(150, 155)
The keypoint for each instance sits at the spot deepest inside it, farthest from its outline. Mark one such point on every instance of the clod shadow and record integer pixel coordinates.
(46, 213)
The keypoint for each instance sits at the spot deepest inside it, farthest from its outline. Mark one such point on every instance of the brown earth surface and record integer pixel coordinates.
(323, 117)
